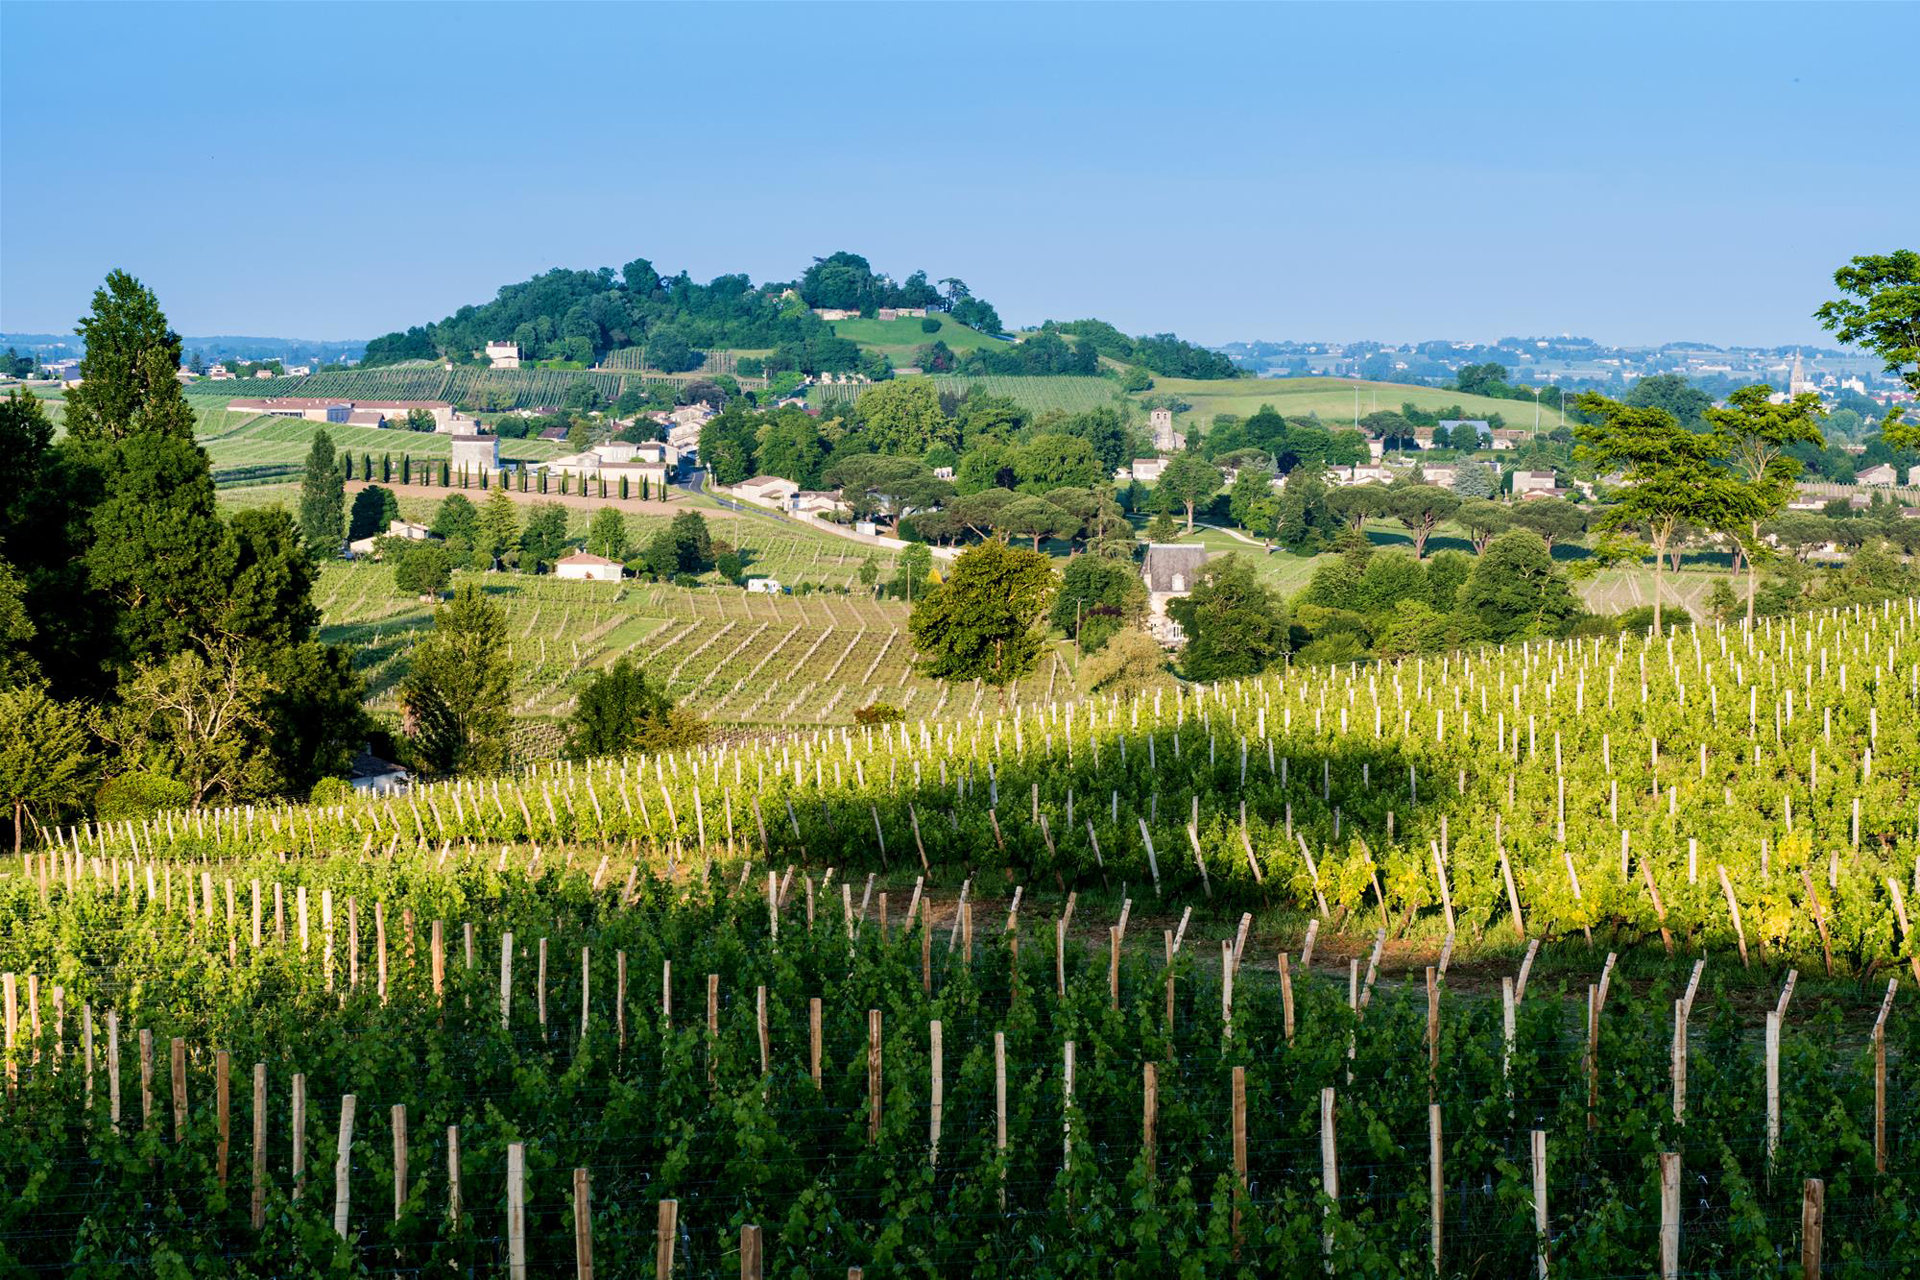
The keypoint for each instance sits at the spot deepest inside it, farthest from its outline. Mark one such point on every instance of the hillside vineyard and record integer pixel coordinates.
(824, 1001)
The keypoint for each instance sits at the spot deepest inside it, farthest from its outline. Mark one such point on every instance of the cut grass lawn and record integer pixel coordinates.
(1332, 399)
(899, 338)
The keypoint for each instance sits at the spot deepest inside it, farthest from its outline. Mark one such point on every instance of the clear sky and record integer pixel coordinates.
(1633, 173)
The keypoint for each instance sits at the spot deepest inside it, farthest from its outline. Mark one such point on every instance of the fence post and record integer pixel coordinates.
(517, 1211)
(665, 1232)
(342, 1163)
(1436, 1183)
(1813, 1212)
(1669, 1215)
(582, 1226)
(750, 1252)
(1540, 1196)
(1329, 1173)
(258, 1214)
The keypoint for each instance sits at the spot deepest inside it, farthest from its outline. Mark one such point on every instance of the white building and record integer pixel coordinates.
(503, 355)
(395, 529)
(1525, 482)
(584, 565)
(476, 453)
(768, 491)
(1880, 475)
(1169, 571)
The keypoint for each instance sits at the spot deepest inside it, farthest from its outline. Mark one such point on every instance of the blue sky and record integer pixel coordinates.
(1635, 173)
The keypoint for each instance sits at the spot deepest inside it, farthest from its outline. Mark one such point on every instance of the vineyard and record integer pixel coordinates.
(263, 440)
(463, 384)
(1585, 958)
(735, 658)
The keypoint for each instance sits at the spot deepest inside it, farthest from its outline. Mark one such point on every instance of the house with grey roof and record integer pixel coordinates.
(1169, 571)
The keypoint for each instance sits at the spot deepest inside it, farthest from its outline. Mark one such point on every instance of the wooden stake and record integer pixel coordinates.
(873, 1075)
(453, 1175)
(1329, 1173)
(1540, 1196)
(1436, 1185)
(1773, 1086)
(1000, 1108)
(751, 1249)
(1813, 1213)
(299, 1156)
(179, 1064)
(666, 1232)
(1880, 1079)
(1239, 1150)
(257, 1214)
(1733, 909)
(517, 1211)
(1150, 1114)
(582, 1226)
(813, 1039)
(760, 1017)
(936, 1087)
(223, 1117)
(1669, 1215)
(1286, 998)
(342, 1163)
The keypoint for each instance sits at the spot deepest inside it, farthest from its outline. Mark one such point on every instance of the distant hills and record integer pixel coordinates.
(215, 347)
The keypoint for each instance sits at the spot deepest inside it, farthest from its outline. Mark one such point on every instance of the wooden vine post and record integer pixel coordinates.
(582, 1225)
(1539, 1144)
(1329, 1174)
(1239, 1151)
(1669, 1215)
(873, 1075)
(1813, 1213)
(517, 1211)
(1880, 1079)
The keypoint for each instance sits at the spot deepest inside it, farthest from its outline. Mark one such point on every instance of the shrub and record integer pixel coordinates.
(878, 713)
(331, 791)
(929, 324)
(138, 795)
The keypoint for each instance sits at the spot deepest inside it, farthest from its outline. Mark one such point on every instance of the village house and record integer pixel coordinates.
(831, 314)
(656, 475)
(615, 451)
(1531, 482)
(1169, 572)
(1340, 477)
(1509, 437)
(406, 529)
(685, 436)
(768, 491)
(1439, 475)
(1882, 474)
(371, 775)
(1145, 470)
(901, 313)
(816, 503)
(587, 567)
(503, 355)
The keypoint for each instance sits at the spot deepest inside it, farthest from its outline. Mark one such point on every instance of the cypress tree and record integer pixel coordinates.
(323, 500)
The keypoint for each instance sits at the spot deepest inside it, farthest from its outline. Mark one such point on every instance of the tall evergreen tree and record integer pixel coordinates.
(323, 500)
(155, 538)
(455, 693)
(127, 377)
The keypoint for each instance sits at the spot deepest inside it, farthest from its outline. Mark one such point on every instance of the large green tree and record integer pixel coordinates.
(154, 534)
(454, 695)
(904, 417)
(1515, 590)
(1097, 598)
(1189, 480)
(1672, 476)
(619, 711)
(1879, 309)
(128, 383)
(1235, 624)
(45, 759)
(875, 486)
(981, 623)
(1755, 434)
(1420, 509)
(323, 499)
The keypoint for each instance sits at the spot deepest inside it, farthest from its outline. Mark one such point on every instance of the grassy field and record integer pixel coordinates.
(898, 339)
(1331, 398)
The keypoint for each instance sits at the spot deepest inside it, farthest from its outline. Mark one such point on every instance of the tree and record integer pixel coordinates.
(422, 569)
(194, 717)
(904, 417)
(869, 571)
(1190, 480)
(128, 384)
(1554, 519)
(1251, 502)
(1488, 379)
(454, 695)
(1097, 598)
(1516, 591)
(619, 711)
(727, 444)
(1672, 392)
(153, 534)
(1128, 665)
(1355, 504)
(911, 570)
(877, 486)
(323, 500)
(44, 762)
(496, 528)
(1032, 517)
(1420, 508)
(420, 420)
(1235, 624)
(607, 534)
(980, 623)
(1055, 460)
(1755, 434)
(374, 508)
(1880, 310)
(1482, 520)
(457, 522)
(1673, 476)
(544, 540)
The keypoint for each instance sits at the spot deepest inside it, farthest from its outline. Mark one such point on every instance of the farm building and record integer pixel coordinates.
(1881, 475)
(503, 355)
(446, 419)
(1170, 571)
(585, 566)
(772, 491)
(476, 453)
